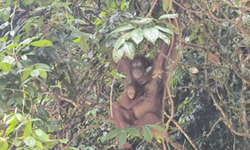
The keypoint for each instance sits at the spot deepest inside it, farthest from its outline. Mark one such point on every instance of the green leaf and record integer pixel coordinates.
(28, 129)
(11, 127)
(8, 59)
(26, 41)
(147, 134)
(19, 117)
(123, 5)
(129, 49)
(42, 113)
(167, 4)
(180, 106)
(168, 16)
(4, 144)
(30, 141)
(41, 43)
(151, 34)
(11, 46)
(41, 135)
(4, 25)
(117, 54)
(43, 74)
(156, 127)
(142, 21)
(4, 39)
(112, 134)
(53, 55)
(35, 73)
(200, 38)
(122, 138)
(6, 67)
(17, 38)
(93, 111)
(167, 30)
(53, 125)
(65, 141)
(133, 131)
(123, 28)
(84, 44)
(39, 145)
(11, 119)
(164, 38)
(137, 35)
(26, 73)
(6, 13)
(42, 66)
(77, 40)
(119, 42)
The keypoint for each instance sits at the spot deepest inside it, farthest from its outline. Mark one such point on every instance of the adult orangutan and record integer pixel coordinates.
(122, 110)
(146, 105)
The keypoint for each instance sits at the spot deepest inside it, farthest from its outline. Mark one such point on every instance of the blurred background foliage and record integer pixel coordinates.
(56, 79)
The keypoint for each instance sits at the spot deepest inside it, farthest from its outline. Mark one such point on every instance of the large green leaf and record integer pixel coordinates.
(6, 13)
(167, 30)
(112, 134)
(129, 49)
(151, 34)
(167, 4)
(122, 137)
(147, 134)
(119, 42)
(42, 66)
(41, 43)
(164, 38)
(84, 44)
(142, 21)
(42, 136)
(6, 67)
(168, 16)
(8, 59)
(11, 119)
(26, 41)
(117, 54)
(26, 73)
(4, 143)
(13, 45)
(11, 127)
(35, 73)
(133, 131)
(30, 141)
(43, 74)
(137, 35)
(123, 28)
(156, 127)
(42, 113)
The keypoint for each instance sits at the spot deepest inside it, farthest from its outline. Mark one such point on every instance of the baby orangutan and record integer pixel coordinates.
(130, 93)
(122, 110)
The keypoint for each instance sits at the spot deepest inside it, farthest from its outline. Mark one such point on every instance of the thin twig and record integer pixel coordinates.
(151, 9)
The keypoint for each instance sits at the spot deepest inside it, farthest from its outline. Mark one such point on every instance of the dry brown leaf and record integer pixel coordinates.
(214, 59)
(215, 6)
(157, 73)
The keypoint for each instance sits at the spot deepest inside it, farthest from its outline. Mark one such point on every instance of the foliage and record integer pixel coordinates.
(56, 83)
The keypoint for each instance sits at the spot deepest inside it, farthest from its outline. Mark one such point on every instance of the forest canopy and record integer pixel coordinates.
(58, 81)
